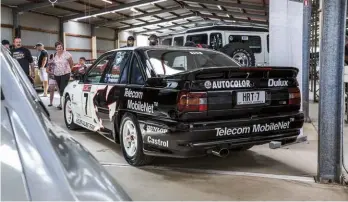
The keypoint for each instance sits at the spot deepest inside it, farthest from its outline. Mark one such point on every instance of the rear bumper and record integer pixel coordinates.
(201, 137)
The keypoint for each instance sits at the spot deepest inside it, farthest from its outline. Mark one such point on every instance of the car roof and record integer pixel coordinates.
(161, 47)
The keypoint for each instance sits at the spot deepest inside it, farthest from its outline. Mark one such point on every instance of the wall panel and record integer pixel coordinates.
(105, 45)
(77, 28)
(6, 15)
(105, 32)
(31, 38)
(6, 33)
(39, 21)
(78, 42)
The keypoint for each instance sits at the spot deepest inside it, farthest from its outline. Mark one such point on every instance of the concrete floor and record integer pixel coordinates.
(258, 174)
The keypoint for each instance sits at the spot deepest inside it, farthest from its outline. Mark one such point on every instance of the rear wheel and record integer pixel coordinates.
(68, 115)
(131, 141)
(240, 52)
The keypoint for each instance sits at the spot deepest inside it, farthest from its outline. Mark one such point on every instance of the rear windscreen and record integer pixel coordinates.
(169, 62)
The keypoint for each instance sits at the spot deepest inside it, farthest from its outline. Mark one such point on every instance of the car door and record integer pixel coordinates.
(92, 83)
(106, 97)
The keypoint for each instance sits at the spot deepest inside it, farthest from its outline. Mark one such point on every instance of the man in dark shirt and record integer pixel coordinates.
(42, 65)
(24, 58)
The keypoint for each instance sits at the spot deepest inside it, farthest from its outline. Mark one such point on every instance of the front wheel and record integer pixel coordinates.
(132, 142)
(68, 115)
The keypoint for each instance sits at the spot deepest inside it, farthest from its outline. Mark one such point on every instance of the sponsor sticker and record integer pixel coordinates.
(227, 84)
(277, 83)
(140, 106)
(156, 141)
(156, 129)
(87, 88)
(85, 124)
(133, 94)
(256, 128)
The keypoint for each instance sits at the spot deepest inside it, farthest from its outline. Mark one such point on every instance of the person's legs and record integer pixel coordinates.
(44, 79)
(52, 87)
(62, 83)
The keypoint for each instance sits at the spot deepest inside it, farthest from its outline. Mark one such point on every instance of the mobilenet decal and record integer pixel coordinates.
(140, 106)
(276, 83)
(256, 128)
(156, 129)
(157, 142)
(227, 84)
(133, 94)
(85, 124)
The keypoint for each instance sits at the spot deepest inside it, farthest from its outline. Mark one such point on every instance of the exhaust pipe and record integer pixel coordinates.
(220, 152)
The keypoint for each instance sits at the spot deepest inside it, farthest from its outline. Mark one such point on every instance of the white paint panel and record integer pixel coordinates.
(6, 16)
(286, 31)
(105, 45)
(142, 40)
(77, 28)
(77, 42)
(105, 32)
(30, 38)
(6, 33)
(39, 21)
(77, 55)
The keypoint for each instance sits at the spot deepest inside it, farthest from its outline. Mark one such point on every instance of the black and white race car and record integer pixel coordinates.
(183, 102)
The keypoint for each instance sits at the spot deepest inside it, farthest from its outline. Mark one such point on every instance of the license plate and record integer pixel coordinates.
(251, 97)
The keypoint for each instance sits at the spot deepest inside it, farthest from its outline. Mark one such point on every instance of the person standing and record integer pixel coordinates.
(51, 81)
(130, 42)
(24, 58)
(63, 64)
(42, 65)
(153, 40)
(6, 43)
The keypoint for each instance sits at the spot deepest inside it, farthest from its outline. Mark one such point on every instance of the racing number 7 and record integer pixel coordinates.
(86, 105)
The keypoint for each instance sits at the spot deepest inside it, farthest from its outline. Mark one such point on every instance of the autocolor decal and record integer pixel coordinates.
(133, 94)
(277, 83)
(156, 141)
(256, 128)
(85, 124)
(227, 84)
(155, 129)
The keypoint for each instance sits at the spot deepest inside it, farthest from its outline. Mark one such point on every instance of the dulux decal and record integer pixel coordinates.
(256, 128)
(227, 84)
(277, 83)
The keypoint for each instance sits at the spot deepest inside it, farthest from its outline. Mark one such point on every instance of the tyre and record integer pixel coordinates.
(242, 148)
(68, 115)
(131, 141)
(240, 52)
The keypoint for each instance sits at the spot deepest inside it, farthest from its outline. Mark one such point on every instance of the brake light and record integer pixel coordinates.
(294, 96)
(192, 102)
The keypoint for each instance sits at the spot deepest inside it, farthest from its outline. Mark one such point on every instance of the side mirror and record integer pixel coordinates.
(156, 82)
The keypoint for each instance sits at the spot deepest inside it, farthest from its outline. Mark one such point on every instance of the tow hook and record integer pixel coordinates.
(220, 152)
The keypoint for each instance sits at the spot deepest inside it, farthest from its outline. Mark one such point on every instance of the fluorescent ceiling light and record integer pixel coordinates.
(219, 7)
(110, 2)
(159, 23)
(133, 10)
(116, 10)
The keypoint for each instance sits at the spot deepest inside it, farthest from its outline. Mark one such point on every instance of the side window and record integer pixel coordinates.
(198, 38)
(94, 75)
(118, 66)
(254, 41)
(216, 41)
(179, 41)
(136, 75)
(180, 63)
(167, 42)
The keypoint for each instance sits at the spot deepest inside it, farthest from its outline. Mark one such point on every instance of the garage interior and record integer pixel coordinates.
(299, 33)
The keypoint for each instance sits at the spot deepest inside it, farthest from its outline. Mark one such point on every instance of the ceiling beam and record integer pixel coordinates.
(260, 16)
(141, 16)
(228, 4)
(234, 19)
(159, 22)
(112, 8)
(173, 26)
(33, 6)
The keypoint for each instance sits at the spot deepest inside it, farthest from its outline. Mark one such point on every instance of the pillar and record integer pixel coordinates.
(94, 42)
(331, 91)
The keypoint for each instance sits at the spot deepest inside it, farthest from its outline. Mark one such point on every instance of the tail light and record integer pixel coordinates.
(294, 96)
(192, 102)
